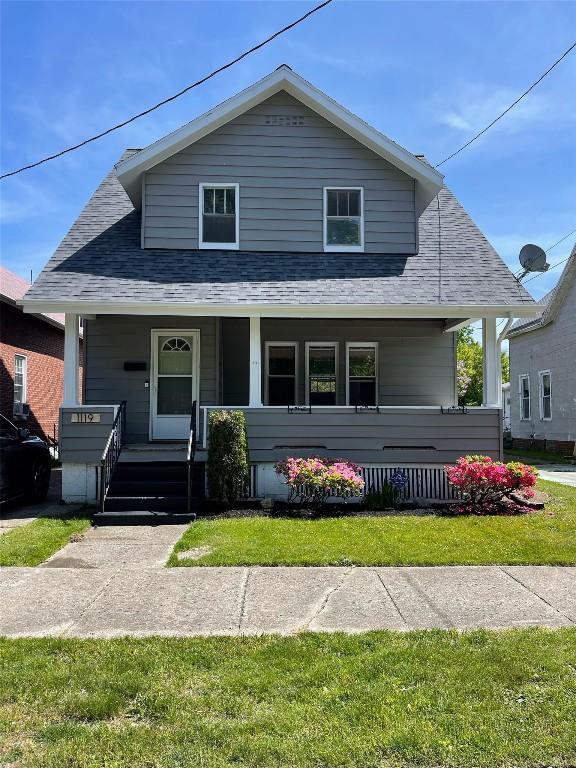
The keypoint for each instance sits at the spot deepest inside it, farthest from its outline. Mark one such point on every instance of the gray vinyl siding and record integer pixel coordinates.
(416, 360)
(116, 339)
(551, 348)
(84, 443)
(235, 337)
(281, 171)
(398, 436)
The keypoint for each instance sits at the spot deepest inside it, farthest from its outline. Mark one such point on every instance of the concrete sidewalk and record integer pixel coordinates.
(112, 582)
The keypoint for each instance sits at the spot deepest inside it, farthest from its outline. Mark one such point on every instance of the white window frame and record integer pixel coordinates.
(361, 345)
(336, 347)
(267, 346)
(24, 379)
(541, 375)
(521, 378)
(217, 246)
(343, 248)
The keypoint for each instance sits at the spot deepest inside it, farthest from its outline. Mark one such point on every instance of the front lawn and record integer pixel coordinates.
(379, 700)
(543, 537)
(35, 542)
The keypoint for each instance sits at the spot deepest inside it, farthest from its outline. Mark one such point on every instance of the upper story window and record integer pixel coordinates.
(545, 386)
(218, 222)
(20, 378)
(524, 392)
(343, 219)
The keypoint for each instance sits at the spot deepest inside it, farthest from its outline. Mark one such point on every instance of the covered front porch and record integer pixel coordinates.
(380, 391)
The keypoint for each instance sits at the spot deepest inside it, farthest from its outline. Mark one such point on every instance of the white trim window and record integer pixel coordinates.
(361, 373)
(524, 396)
(281, 372)
(321, 372)
(218, 217)
(343, 219)
(545, 395)
(20, 378)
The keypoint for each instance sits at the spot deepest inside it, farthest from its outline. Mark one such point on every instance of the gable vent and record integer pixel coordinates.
(291, 121)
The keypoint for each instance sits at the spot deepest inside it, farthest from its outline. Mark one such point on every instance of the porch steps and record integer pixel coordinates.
(150, 493)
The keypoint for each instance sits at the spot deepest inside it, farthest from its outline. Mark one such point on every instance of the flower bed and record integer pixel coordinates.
(311, 482)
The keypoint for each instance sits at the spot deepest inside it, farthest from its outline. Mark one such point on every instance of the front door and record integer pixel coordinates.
(175, 382)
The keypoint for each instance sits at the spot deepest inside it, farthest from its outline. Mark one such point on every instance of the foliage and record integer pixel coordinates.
(312, 481)
(33, 543)
(485, 484)
(228, 463)
(469, 367)
(385, 497)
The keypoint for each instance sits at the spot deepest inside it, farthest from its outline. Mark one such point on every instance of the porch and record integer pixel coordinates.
(378, 391)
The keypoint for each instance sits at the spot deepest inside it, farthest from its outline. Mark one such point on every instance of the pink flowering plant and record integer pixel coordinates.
(312, 481)
(486, 485)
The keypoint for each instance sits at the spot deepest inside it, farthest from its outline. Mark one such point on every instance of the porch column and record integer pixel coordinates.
(71, 359)
(255, 399)
(491, 364)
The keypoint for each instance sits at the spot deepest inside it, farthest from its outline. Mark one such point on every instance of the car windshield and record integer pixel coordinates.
(7, 429)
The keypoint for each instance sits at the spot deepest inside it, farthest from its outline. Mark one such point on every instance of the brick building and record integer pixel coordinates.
(31, 361)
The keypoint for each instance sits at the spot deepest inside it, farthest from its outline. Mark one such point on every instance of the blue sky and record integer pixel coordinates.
(429, 75)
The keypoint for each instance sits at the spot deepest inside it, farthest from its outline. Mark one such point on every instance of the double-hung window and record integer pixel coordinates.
(281, 376)
(321, 373)
(361, 368)
(524, 395)
(20, 377)
(343, 219)
(545, 391)
(219, 222)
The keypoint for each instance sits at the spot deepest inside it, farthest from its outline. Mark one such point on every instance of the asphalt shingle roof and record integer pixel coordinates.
(101, 259)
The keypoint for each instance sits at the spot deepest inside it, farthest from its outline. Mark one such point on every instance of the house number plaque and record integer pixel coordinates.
(85, 418)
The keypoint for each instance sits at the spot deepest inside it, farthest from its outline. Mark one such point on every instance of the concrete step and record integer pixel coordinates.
(166, 504)
(141, 517)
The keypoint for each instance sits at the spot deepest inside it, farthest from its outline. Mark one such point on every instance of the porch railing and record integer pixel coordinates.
(112, 452)
(190, 455)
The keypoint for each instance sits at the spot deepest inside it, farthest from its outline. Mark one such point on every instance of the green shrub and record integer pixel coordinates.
(385, 498)
(228, 463)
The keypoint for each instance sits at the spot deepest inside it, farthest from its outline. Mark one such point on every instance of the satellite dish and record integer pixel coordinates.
(533, 259)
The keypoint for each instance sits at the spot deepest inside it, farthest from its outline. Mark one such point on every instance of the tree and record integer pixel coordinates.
(469, 367)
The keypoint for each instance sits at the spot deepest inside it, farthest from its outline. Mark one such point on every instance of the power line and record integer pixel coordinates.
(561, 240)
(539, 274)
(501, 115)
(176, 95)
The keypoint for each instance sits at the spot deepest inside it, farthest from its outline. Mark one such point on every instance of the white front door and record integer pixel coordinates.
(175, 376)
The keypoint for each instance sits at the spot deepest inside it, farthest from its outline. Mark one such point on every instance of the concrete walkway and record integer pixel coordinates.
(112, 583)
(558, 473)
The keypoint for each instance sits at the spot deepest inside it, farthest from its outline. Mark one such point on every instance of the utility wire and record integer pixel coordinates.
(501, 115)
(176, 95)
(548, 251)
(539, 274)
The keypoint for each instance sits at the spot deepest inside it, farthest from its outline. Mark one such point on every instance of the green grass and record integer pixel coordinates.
(34, 542)
(534, 454)
(546, 537)
(379, 700)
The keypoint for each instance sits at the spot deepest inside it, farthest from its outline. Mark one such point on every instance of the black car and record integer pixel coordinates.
(24, 464)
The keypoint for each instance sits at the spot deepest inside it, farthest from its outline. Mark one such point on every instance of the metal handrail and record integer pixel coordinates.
(190, 455)
(112, 452)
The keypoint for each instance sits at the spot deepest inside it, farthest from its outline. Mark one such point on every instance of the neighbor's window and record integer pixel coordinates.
(545, 395)
(362, 374)
(343, 219)
(281, 373)
(20, 371)
(321, 374)
(524, 391)
(219, 216)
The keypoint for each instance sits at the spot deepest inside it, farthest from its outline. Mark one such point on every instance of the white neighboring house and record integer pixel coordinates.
(507, 424)
(543, 370)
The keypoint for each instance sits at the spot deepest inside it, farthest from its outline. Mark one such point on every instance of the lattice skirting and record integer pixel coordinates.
(424, 483)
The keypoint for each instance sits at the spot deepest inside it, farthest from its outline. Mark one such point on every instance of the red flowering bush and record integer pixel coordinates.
(485, 484)
(312, 481)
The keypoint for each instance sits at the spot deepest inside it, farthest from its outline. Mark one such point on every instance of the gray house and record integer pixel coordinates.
(279, 255)
(543, 369)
